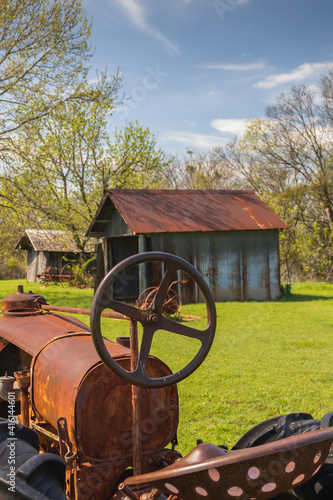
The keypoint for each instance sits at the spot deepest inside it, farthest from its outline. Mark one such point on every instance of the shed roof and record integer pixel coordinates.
(168, 211)
(46, 240)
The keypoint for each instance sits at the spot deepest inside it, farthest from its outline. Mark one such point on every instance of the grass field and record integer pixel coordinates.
(268, 358)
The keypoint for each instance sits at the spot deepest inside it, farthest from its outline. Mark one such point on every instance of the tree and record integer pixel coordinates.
(303, 145)
(60, 166)
(56, 154)
(134, 161)
(12, 264)
(51, 170)
(287, 158)
(200, 170)
(43, 52)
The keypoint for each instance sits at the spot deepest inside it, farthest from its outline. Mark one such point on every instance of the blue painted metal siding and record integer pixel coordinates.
(117, 226)
(238, 265)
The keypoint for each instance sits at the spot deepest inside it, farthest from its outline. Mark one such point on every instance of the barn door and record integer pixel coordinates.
(120, 248)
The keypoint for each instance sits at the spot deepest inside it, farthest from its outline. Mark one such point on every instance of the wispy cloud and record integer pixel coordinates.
(193, 140)
(191, 124)
(236, 67)
(229, 126)
(136, 14)
(303, 72)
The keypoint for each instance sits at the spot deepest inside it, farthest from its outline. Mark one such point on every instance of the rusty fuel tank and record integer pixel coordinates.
(68, 380)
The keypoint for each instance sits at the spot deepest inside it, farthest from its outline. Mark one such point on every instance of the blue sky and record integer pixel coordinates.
(197, 69)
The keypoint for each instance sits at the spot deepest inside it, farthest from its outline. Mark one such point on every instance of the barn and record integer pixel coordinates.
(49, 249)
(230, 236)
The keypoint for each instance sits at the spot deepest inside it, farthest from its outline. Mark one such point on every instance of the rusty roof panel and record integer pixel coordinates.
(160, 211)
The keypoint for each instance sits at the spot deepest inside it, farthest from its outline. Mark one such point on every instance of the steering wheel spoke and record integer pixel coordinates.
(152, 319)
(181, 329)
(169, 277)
(131, 312)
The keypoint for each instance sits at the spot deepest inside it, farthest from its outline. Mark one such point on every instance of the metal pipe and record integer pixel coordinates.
(25, 407)
(23, 381)
(136, 417)
(78, 310)
(128, 492)
(40, 429)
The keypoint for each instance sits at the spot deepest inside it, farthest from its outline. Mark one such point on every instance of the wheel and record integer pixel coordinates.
(172, 303)
(152, 319)
(66, 273)
(42, 475)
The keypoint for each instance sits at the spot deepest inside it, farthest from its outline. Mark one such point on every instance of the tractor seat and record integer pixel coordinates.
(208, 472)
(199, 454)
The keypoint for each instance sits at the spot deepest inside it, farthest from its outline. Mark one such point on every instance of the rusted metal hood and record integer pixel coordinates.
(32, 332)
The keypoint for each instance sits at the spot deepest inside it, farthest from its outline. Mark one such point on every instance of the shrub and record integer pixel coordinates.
(285, 289)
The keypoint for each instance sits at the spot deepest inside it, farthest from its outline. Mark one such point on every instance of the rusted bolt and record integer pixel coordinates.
(153, 318)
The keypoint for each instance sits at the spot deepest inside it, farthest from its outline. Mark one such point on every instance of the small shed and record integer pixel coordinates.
(230, 236)
(49, 248)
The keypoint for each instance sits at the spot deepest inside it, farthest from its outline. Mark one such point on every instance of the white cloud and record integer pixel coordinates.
(191, 124)
(134, 11)
(236, 67)
(136, 14)
(229, 126)
(299, 74)
(190, 139)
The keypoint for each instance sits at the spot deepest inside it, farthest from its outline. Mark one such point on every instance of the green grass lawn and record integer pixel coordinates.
(268, 358)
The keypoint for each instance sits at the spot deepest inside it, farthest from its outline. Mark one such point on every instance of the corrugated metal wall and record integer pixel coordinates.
(238, 265)
(117, 226)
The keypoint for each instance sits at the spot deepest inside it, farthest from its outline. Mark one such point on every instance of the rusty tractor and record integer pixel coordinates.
(92, 419)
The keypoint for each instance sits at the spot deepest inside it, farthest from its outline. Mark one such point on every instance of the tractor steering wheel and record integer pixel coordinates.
(152, 319)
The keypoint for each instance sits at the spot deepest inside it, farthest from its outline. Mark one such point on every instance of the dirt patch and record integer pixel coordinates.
(190, 317)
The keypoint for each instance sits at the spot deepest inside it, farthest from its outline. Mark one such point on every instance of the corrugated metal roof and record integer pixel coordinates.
(160, 211)
(43, 240)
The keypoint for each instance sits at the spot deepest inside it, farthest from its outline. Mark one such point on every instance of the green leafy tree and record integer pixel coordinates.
(134, 161)
(43, 56)
(53, 170)
(57, 173)
(56, 154)
(12, 262)
(287, 159)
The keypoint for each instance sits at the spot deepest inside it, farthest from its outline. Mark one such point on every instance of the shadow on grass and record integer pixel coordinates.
(295, 297)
